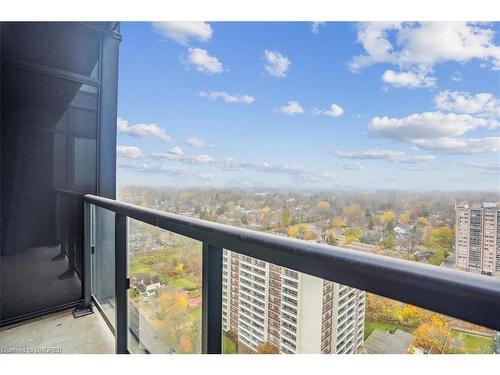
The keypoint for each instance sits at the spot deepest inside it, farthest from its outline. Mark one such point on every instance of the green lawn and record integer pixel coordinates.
(371, 326)
(474, 344)
(183, 283)
(229, 346)
(161, 263)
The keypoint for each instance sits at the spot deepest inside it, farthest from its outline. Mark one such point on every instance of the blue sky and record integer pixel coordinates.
(333, 105)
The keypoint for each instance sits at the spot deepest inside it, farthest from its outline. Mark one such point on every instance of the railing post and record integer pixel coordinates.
(87, 253)
(212, 299)
(86, 308)
(121, 284)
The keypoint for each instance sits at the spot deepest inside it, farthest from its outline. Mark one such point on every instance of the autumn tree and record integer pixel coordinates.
(330, 238)
(355, 231)
(266, 348)
(440, 241)
(338, 222)
(422, 221)
(387, 216)
(293, 231)
(349, 239)
(323, 207)
(352, 235)
(173, 318)
(231, 208)
(285, 217)
(265, 215)
(353, 213)
(413, 316)
(388, 242)
(404, 218)
(432, 335)
(382, 309)
(442, 237)
(302, 228)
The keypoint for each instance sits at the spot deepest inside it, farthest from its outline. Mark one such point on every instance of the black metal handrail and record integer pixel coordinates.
(470, 297)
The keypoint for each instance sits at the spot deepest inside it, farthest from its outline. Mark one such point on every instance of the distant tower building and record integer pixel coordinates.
(477, 239)
(292, 311)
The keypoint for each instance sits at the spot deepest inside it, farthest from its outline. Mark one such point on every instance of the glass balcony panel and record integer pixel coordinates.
(103, 261)
(394, 327)
(310, 315)
(165, 299)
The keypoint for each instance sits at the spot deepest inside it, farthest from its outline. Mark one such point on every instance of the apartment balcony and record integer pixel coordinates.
(67, 247)
(430, 287)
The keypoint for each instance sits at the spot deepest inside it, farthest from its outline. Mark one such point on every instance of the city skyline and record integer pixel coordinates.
(313, 105)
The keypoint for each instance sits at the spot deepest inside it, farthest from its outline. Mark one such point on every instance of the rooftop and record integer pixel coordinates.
(383, 342)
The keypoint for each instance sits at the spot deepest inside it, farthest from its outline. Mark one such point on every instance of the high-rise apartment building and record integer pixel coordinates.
(293, 312)
(477, 238)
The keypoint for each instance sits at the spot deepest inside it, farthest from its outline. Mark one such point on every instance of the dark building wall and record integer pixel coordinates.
(58, 131)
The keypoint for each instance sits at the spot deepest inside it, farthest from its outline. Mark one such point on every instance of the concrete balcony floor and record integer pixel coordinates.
(59, 333)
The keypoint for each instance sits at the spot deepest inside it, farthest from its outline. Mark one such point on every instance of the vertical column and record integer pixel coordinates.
(107, 114)
(87, 254)
(212, 299)
(121, 284)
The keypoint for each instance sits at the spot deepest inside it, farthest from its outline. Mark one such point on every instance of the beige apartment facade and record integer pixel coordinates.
(291, 311)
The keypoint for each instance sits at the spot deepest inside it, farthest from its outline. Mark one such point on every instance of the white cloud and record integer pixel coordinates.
(416, 168)
(131, 152)
(276, 64)
(203, 62)
(408, 79)
(183, 32)
(483, 104)
(334, 111)
(176, 151)
(181, 157)
(316, 25)
(228, 98)
(445, 132)
(369, 154)
(486, 165)
(460, 145)
(292, 108)
(142, 130)
(195, 142)
(353, 166)
(382, 154)
(232, 164)
(206, 176)
(293, 170)
(428, 125)
(425, 44)
(204, 159)
(152, 168)
(416, 159)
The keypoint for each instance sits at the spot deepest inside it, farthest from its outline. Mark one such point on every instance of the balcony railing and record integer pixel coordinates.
(470, 297)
